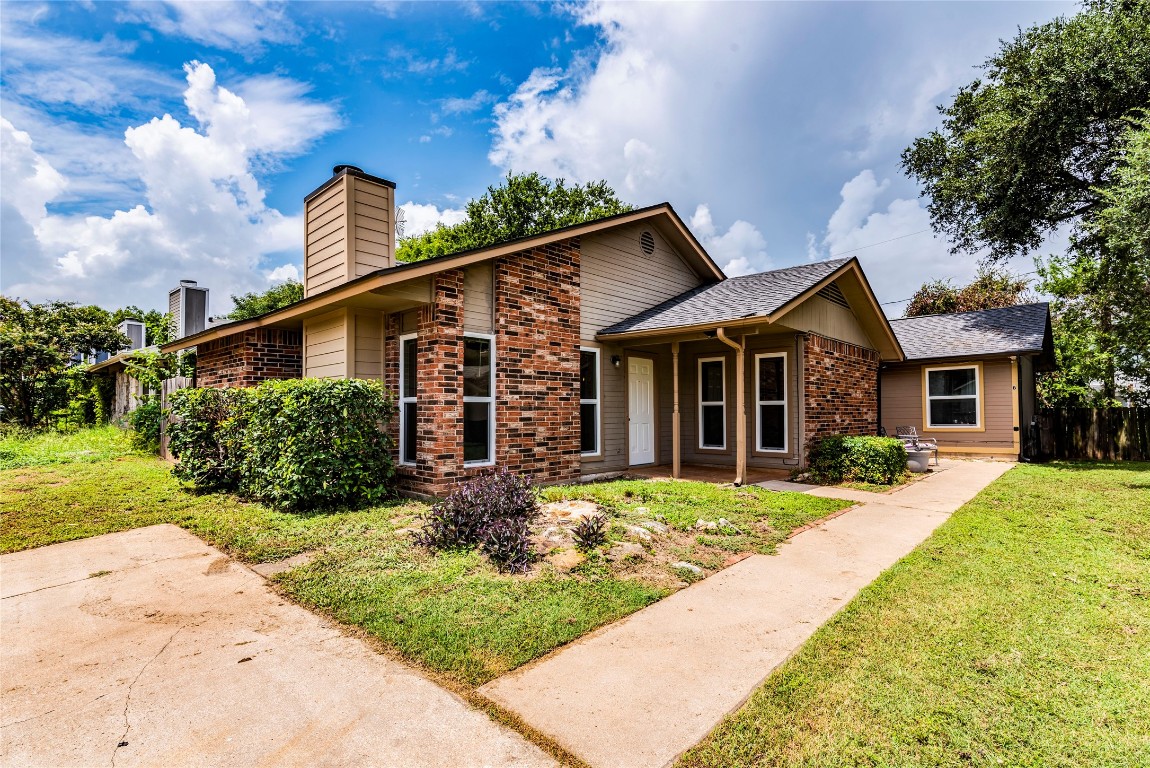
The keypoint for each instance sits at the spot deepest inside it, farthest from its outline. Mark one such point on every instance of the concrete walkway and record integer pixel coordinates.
(643, 690)
(149, 647)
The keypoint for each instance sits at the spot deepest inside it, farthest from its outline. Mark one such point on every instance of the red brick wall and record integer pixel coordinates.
(841, 388)
(245, 359)
(536, 372)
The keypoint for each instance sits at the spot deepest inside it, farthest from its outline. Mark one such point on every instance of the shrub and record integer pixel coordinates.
(146, 420)
(494, 510)
(590, 532)
(293, 444)
(843, 458)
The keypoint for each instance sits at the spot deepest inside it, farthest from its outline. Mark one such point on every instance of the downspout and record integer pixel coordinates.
(740, 405)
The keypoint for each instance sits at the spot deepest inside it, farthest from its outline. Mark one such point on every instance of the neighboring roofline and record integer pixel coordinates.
(968, 356)
(973, 311)
(1045, 350)
(850, 265)
(416, 269)
(119, 357)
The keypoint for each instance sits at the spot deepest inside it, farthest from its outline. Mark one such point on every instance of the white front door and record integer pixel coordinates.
(641, 410)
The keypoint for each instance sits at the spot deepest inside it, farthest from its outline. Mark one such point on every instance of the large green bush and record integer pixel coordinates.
(294, 444)
(845, 458)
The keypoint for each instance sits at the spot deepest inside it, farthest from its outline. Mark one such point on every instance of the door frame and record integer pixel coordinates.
(654, 360)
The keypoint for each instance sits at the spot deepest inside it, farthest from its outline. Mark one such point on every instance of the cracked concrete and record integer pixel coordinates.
(645, 689)
(189, 658)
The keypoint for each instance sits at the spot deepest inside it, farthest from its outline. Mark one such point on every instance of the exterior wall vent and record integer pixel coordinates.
(188, 305)
(832, 294)
(647, 242)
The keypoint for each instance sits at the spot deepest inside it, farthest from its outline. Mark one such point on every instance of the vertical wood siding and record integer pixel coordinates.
(817, 315)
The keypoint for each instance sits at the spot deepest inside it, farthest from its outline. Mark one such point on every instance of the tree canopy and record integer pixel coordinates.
(523, 204)
(37, 342)
(992, 288)
(260, 303)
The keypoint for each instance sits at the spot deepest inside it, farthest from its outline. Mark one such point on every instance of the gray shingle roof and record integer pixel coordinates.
(732, 299)
(1009, 330)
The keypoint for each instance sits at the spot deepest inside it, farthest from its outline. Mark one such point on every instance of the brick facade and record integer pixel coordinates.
(536, 358)
(245, 359)
(840, 388)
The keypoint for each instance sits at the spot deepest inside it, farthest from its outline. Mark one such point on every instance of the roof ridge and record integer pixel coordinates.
(825, 262)
(972, 311)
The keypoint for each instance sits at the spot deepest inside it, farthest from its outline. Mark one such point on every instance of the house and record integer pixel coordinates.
(968, 379)
(571, 354)
(127, 392)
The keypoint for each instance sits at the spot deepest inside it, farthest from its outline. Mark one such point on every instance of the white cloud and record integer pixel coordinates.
(474, 102)
(283, 273)
(226, 24)
(203, 216)
(420, 217)
(741, 250)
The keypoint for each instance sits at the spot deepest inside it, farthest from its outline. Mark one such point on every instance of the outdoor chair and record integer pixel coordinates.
(909, 436)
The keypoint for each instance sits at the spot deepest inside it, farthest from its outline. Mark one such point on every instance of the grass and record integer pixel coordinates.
(1018, 634)
(20, 448)
(450, 612)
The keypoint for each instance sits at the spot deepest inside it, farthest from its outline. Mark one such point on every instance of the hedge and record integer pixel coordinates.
(294, 444)
(845, 458)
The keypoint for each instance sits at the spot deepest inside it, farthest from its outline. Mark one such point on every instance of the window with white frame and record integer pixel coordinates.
(771, 401)
(478, 399)
(952, 396)
(589, 401)
(407, 407)
(712, 403)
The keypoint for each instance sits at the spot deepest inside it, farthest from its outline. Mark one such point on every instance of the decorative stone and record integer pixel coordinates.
(407, 531)
(626, 549)
(725, 523)
(685, 566)
(638, 532)
(642, 510)
(655, 527)
(705, 525)
(565, 559)
(571, 511)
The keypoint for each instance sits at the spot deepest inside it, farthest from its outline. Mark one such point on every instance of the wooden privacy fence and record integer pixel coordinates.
(166, 389)
(1094, 433)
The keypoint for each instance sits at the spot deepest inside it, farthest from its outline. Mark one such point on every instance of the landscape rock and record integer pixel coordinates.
(407, 531)
(685, 566)
(725, 523)
(638, 532)
(565, 559)
(557, 535)
(626, 549)
(571, 511)
(641, 510)
(655, 527)
(706, 525)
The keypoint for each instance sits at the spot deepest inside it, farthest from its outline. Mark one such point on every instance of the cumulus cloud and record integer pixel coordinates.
(203, 216)
(226, 24)
(741, 250)
(422, 217)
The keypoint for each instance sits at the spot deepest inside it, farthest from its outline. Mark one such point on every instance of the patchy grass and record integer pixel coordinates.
(1018, 634)
(22, 448)
(451, 612)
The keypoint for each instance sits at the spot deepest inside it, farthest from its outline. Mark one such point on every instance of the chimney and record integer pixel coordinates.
(188, 307)
(136, 332)
(347, 229)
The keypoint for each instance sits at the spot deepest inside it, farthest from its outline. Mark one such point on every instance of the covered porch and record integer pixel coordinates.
(709, 473)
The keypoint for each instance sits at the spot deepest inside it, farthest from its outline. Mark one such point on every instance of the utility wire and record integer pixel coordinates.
(900, 301)
(872, 245)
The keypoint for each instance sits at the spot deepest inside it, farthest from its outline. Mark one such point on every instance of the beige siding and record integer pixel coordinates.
(372, 221)
(477, 299)
(325, 346)
(826, 318)
(348, 233)
(903, 405)
(369, 345)
(612, 413)
(325, 241)
(618, 280)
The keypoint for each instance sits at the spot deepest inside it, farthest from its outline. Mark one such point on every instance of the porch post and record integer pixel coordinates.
(740, 403)
(675, 436)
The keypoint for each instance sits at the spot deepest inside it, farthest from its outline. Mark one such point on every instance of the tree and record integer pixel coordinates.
(524, 204)
(1049, 140)
(155, 323)
(992, 288)
(37, 342)
(255, 304)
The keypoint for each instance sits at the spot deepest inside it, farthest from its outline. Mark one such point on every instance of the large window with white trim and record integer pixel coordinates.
(952, 395)
(771, 401)
(407, 406)
(478, 399)
(589, 401)
(712, 403)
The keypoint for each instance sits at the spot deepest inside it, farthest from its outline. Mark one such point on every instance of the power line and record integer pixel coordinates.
(872, 245)
(951, 277)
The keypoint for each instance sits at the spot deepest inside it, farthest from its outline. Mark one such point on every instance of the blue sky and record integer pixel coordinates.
(148, 142)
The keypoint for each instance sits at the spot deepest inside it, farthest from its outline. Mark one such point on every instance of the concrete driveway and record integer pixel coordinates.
(151, 648)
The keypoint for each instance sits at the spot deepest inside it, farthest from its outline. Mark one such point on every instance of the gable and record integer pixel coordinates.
(828, 313)
(618, 278)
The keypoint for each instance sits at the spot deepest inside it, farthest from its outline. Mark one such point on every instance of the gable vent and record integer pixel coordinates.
(835, 296)
(647, 243)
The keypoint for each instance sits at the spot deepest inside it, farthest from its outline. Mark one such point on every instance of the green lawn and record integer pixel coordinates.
(451, 612)
(1017, 635)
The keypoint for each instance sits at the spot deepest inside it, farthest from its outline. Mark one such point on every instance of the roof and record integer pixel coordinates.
(1021, 329)
(736, 298)
(663, 216)
(119, 358)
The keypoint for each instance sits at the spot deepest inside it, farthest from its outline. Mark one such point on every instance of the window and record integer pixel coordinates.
(407, 407)
(712, 403)
(478, 400)
(589, 401)
(771, 401)
(952, 397)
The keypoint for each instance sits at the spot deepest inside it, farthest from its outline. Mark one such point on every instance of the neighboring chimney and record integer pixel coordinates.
(188, 306)
(347, 229)
(136, 331)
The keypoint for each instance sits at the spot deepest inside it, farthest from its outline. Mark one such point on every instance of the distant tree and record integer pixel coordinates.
(278, 296)
(991, 289)
(523, 204)
(37, 342)
(156, 323)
